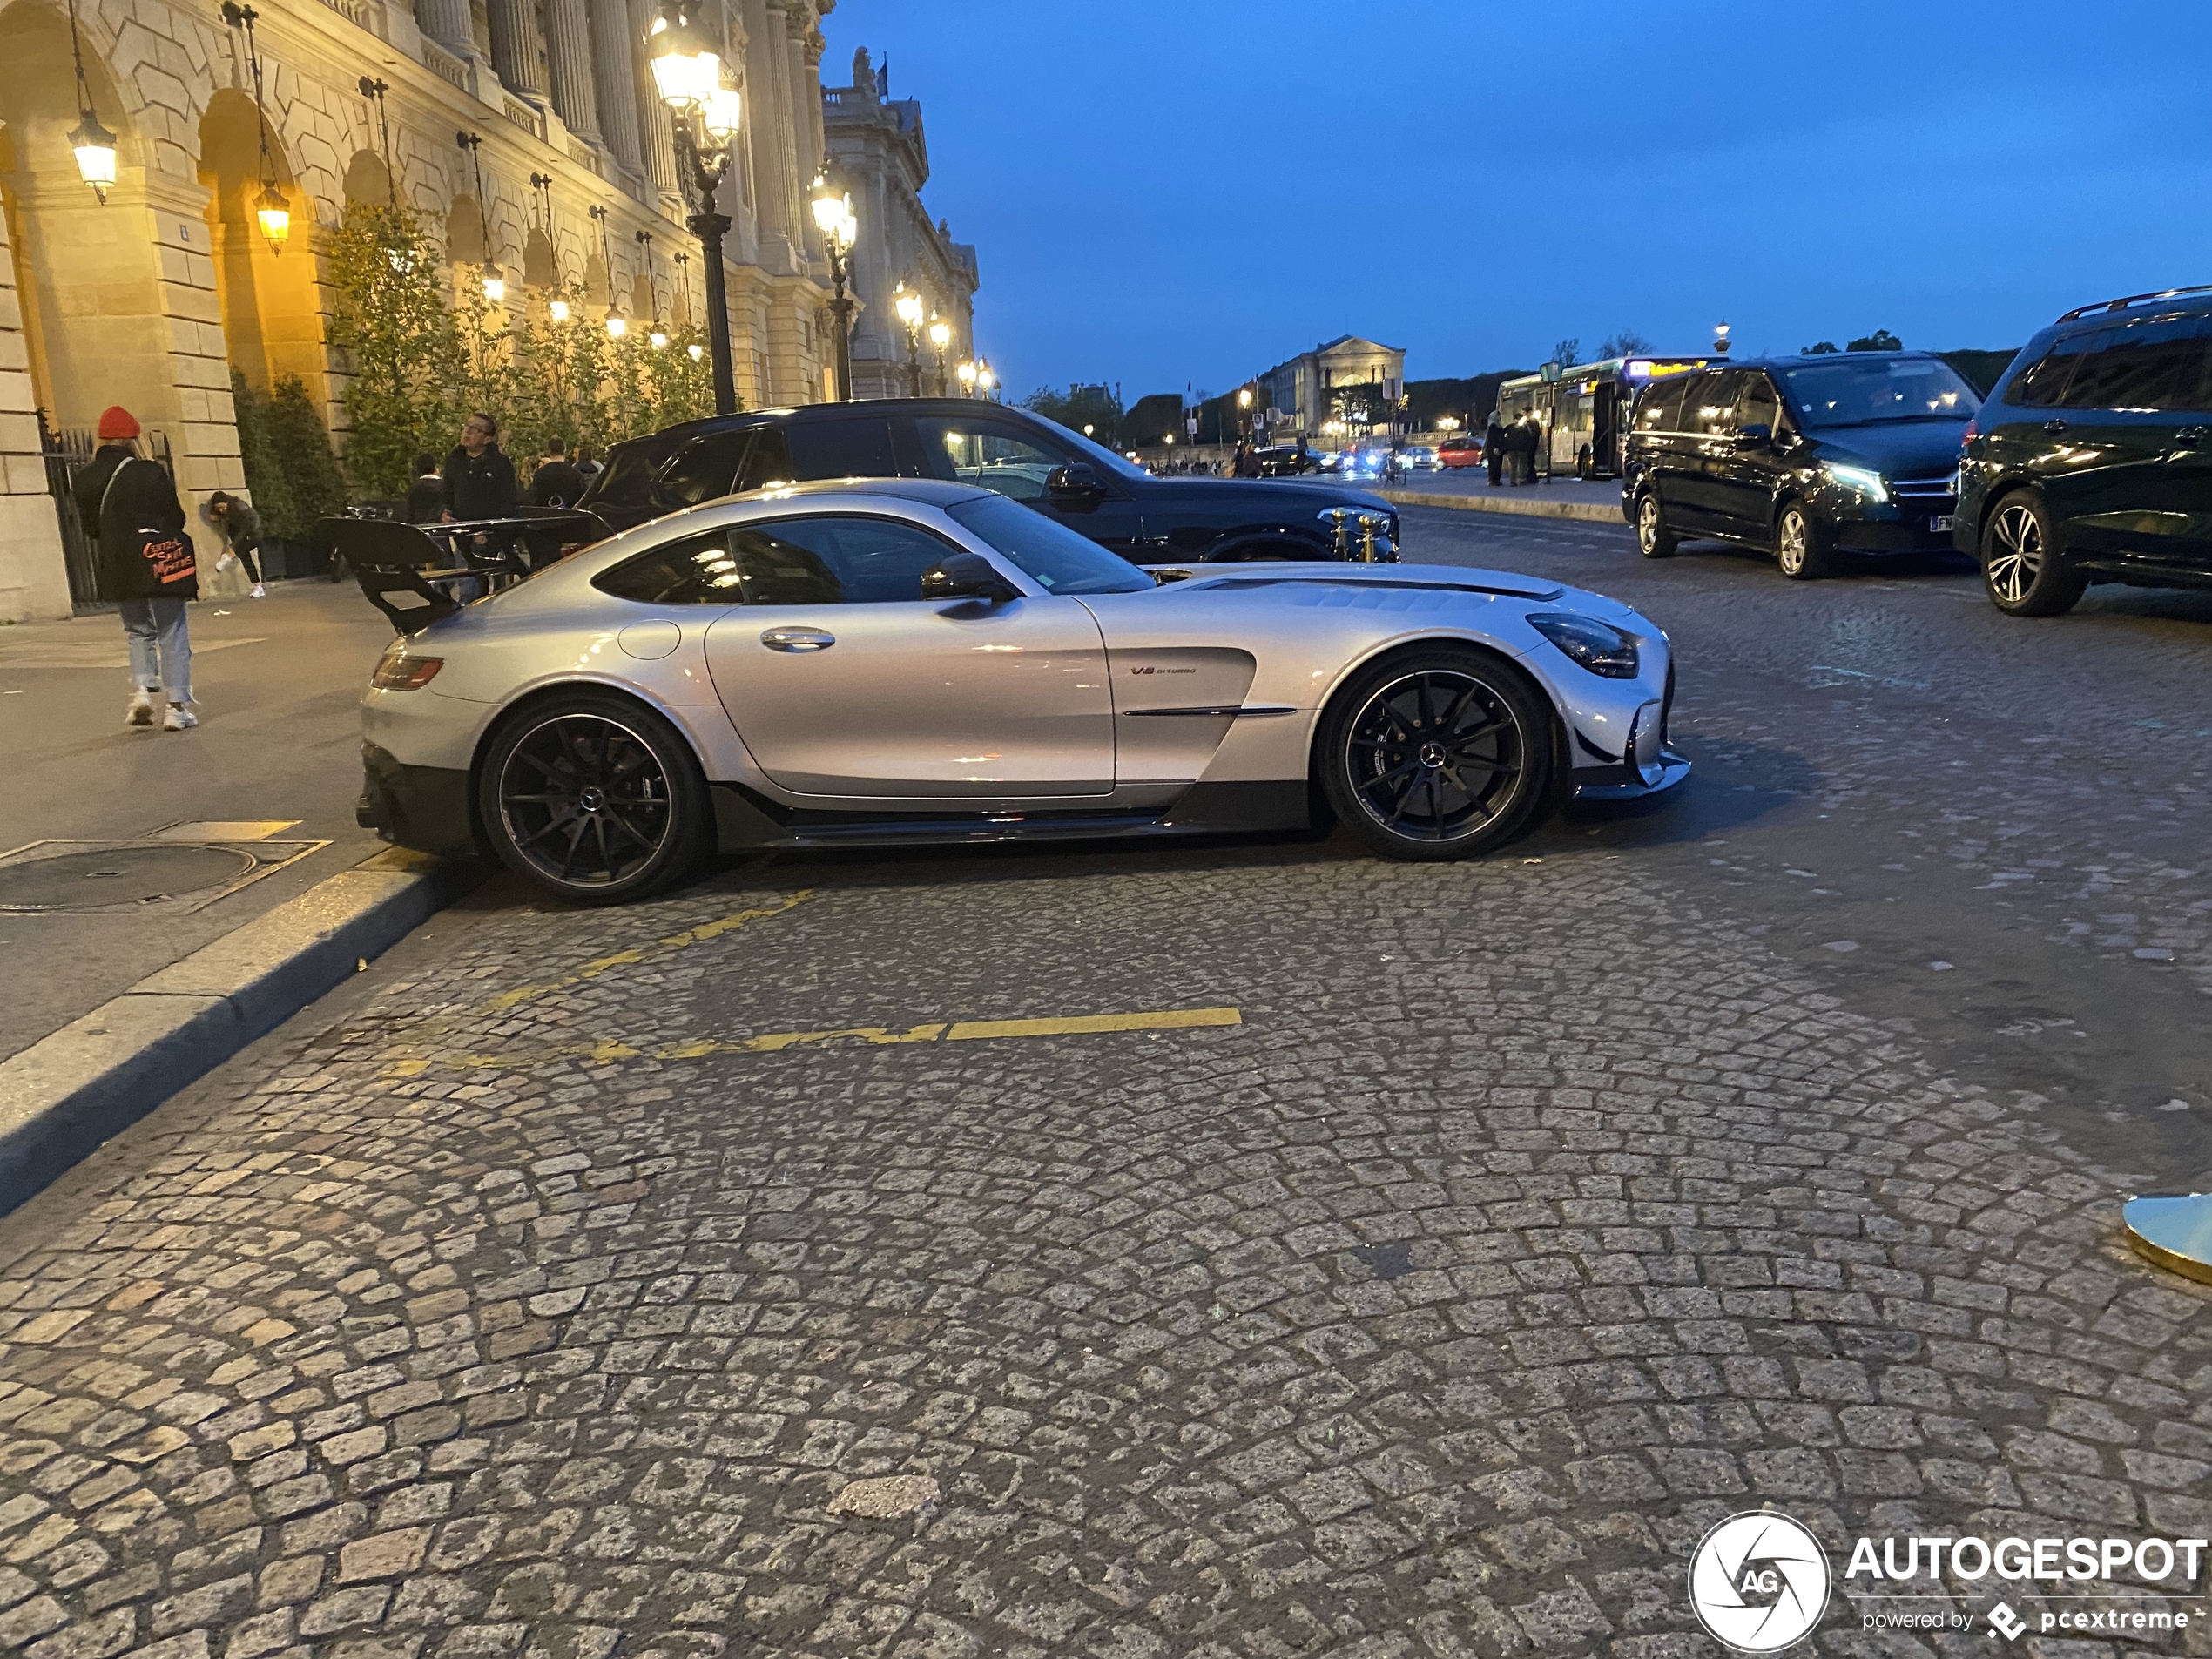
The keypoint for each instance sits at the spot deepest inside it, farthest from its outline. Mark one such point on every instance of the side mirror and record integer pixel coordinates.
(1075, 478)
(1754, 436)
(966, 576)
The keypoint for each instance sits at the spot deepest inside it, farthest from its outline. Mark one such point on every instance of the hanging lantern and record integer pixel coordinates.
(559, 308)
(658, 338)
(276, 218)
(697, 352)
(494, 285)
(95, 148)
(617, 324)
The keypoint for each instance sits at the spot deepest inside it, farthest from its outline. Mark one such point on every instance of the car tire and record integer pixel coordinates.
(1471, 740)
(593, 798)
(1802, 547)
(2020, 567)
(1654, 539)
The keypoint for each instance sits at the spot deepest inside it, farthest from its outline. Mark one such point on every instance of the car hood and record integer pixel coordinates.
(1904, 449)
(1214, 492)
(1259, 574)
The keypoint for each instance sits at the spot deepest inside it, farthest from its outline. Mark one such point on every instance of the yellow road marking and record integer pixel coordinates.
(607, 1051)
(659, 948)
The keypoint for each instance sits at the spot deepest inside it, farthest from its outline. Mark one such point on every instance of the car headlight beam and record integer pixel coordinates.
(1865, 480)
(1598, 646)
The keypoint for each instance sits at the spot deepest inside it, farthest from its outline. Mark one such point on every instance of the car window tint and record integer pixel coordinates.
(1709, 402)
(996, 454)
(768, 461)
(705, 467)
(853, 446)
(1056, 557)
(1660, 408)
(1756, 403)
(627, 476)
(2143, 365)
(833, 559)
(690, 570)
(2043, 384)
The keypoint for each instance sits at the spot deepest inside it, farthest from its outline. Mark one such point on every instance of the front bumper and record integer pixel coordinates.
(1623, 783)
(426, 808)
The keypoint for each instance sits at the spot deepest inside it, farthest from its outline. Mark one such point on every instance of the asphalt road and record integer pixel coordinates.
(1247, 1249)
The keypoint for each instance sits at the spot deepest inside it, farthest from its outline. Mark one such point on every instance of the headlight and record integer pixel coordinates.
(1866, 481)
(1597, 646)
(397, 672)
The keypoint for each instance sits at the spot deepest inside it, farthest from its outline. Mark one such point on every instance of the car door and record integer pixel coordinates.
(2136, 420)
(1659, 444)
(1011, 458)
(1707, 429)
(1743, 470)
(843, 681)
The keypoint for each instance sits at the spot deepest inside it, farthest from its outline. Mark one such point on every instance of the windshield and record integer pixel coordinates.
(1097, 454)
(1059, 560)
(1869, 391)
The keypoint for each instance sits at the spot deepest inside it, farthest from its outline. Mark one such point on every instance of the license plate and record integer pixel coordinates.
(1940, 522)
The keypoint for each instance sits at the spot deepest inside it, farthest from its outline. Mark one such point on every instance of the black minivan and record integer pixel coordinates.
(1039, 463)
(1807, 457)
(2092, 459)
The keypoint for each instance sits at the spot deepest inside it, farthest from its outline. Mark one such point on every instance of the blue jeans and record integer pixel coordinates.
(160, 648)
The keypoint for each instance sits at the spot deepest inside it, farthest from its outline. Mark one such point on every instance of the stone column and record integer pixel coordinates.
(655, 138)
(775, 149)
(568, 46)
(34, 576)
(614, 63)
(447, 22)
(513, 45)
(809, 71)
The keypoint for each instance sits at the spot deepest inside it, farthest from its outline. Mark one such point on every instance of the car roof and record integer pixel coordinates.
(1798, 360)
(785, 415)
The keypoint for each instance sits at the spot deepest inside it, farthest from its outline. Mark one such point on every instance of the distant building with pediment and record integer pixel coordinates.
(1298, 388)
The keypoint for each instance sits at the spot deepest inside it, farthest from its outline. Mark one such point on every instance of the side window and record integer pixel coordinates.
(995, 454)
(1660, 408)
(768, 461)
(833, 559)
(1709, 402)
(705, 467)
(855, 445)
(1758, 406)
(2041, 386)
(2144, 366)
(690, 570)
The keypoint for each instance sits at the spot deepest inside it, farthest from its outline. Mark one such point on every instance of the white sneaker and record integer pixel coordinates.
(260, 592)
(228, 559)
(141, 710)
(179, 718)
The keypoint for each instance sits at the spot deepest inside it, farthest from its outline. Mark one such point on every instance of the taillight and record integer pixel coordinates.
(1972, 431)
(397, 672)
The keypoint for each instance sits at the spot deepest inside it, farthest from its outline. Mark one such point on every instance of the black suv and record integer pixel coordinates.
(2092, 459)
(1039, 463)
(1807, 456)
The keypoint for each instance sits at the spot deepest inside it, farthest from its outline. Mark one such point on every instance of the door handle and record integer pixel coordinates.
(797, 639)
(2056, 429)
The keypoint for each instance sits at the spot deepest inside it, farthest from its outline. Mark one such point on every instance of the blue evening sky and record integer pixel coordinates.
(1171, 192)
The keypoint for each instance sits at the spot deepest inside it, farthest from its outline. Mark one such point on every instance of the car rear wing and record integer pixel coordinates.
(419, 574)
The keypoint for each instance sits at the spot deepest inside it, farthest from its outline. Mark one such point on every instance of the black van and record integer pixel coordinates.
(1807, 457)
(2092, 459)
(1063, 475)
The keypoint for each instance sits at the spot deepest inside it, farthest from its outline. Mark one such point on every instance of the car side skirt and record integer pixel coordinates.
(745, 820)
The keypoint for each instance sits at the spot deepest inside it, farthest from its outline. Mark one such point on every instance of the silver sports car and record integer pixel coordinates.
(888, 662)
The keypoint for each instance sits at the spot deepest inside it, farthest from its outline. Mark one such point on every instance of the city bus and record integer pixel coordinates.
(1584, 410)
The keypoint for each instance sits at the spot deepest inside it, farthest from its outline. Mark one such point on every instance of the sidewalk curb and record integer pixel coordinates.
(69, 1092)
(1588, 511)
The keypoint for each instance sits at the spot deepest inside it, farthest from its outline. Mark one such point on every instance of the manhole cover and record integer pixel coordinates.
(123, 875)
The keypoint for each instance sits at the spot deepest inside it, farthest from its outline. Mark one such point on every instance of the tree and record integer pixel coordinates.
(1818, 349)
(290, 470)
(1151, 419)
(1080, 406)
(1880, 339)
(1625, 343)
(391, 321)
(1566, 352)
(1360, 404)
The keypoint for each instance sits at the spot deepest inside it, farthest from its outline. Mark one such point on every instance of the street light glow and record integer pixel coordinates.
(95, 148)
(617, 324)
(276, 218)
(558, 309)
(907, 303)
(494, 285)
(941, 333)
(722, 114)
(687, 72)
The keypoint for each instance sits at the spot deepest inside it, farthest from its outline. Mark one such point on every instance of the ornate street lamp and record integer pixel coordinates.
(93, 144)
(907, 303)
(557, 308)
(834, 218)
(1245, 410)
(984, 378)
(941, 335)
(966, 375)
(1720, 340)
(269, 208)
(373, 90)
(687, 73)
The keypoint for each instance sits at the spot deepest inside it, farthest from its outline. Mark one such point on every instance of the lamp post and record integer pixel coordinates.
(834, 218)
(1244, 411)
(1720, 340)
(93, 144)
(269, 206)
(373, 90)
(965, 373)
(687, 73)
(906, 304)
(941, 335)
(984, 378)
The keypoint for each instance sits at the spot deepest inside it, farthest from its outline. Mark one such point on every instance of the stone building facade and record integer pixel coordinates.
(1298, 389)
(150, 299)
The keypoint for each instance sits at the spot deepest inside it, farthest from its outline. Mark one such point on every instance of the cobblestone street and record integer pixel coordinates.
(1240, 1250)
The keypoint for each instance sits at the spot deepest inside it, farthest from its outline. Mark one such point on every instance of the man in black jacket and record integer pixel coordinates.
(426, 496)
(556, 483)
(1494, 449)
(479, 478)
(128, 504)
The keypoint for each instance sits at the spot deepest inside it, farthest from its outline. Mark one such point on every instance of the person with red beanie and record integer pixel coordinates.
(128, 503)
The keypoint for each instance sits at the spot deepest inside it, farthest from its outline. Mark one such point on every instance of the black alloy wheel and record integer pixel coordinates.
(594, 797)
(1802, 547)
(1654, 539)
(2020, 569)
(1441, 753)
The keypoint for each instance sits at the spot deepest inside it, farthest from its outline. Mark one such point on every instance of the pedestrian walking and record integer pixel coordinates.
(426, 496)
(240, 527)
(1493, 448)
(556, 482)
(129, 503)
(587, 463)
(479, 478)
